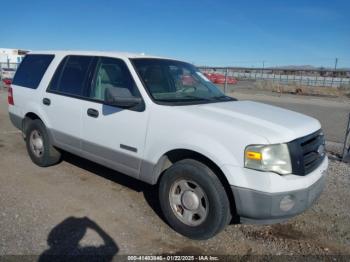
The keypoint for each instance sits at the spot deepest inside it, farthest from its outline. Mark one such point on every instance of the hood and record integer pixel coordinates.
(275, 124)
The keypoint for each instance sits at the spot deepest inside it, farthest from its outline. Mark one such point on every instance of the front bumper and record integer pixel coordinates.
(257, 207)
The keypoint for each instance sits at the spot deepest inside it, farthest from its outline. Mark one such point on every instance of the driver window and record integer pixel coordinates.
(112, 73)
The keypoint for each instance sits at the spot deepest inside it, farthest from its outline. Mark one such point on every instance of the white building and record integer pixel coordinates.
(10, 56)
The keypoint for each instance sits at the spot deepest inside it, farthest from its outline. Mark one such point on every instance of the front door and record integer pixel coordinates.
(113, 136)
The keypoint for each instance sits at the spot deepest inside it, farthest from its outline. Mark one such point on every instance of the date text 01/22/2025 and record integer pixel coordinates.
(173, 258)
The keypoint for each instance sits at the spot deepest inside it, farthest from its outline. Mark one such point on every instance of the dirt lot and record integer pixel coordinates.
(53, 209)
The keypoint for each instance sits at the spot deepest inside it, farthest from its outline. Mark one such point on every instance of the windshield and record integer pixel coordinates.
(173, 81)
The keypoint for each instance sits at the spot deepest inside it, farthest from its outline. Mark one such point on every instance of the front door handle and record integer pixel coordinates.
(46, 101)
(92, 112)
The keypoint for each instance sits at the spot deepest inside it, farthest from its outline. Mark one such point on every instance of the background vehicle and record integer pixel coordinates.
(6, 82)
(7, 73)
(220, 78)
(163, 122)
(6, 76)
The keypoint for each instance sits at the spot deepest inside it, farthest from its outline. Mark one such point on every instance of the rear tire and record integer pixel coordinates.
(39, 147)
(193, 200)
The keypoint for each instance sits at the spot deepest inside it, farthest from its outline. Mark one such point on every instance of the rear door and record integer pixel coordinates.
(113, 136)
(63, 103)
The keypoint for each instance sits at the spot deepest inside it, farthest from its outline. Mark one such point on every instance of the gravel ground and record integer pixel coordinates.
(52, 210)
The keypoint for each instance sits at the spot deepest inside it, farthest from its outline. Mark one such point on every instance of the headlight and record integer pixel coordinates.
(274, 158)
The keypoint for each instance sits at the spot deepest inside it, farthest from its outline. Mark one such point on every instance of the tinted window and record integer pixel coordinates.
(73, 78)
(57, 76)
(31, 70)
(113, 73)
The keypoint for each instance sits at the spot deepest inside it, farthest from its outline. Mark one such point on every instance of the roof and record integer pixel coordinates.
(96, 53)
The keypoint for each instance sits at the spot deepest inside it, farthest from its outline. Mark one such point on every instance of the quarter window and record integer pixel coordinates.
(32, 70)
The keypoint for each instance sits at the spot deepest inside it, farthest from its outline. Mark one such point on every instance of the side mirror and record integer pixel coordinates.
(121, 97)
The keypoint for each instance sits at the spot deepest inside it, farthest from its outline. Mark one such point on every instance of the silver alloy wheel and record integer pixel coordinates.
(36, 143)
(188, 202)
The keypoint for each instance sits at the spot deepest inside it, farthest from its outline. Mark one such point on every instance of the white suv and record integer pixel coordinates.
(161, 121)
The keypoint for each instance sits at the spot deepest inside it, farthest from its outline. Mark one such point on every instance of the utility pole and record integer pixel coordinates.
(262, 70)
(336, 63)
(334, 74)
(225, 86)
(346, 148)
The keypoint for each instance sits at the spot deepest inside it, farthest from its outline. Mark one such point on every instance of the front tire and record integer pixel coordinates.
(39, 147)
(193, 200)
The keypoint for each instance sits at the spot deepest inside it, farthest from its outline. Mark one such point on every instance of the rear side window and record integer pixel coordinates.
(31, 70)
(71, 76)
(57, 76)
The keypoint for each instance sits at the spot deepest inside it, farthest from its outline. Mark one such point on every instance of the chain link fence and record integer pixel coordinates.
(346, 148)
(297, 77)
(306, 77)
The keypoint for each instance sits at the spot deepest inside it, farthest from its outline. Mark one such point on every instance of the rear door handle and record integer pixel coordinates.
(92, 112)
(46, 101)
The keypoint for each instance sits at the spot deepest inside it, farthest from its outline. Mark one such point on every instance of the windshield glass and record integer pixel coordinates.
(175, 81)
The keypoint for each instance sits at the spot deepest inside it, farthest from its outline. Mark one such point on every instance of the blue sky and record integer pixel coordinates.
(205, 32)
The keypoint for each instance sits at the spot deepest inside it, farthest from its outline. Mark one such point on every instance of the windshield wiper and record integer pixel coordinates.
(197, 98)
(223, 97)
(191, 98)
(184, 99)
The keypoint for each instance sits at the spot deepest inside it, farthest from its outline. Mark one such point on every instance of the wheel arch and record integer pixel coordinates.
(30, 116)
(25, 122)
(175, 155)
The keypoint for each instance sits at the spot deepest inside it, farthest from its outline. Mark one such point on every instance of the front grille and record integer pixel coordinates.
(307, 153)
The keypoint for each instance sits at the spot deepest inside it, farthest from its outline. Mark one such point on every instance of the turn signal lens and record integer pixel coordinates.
(253, 155)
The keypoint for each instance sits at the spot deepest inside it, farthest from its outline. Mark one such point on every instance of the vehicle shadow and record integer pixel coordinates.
(150, 192)
(64, 238)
